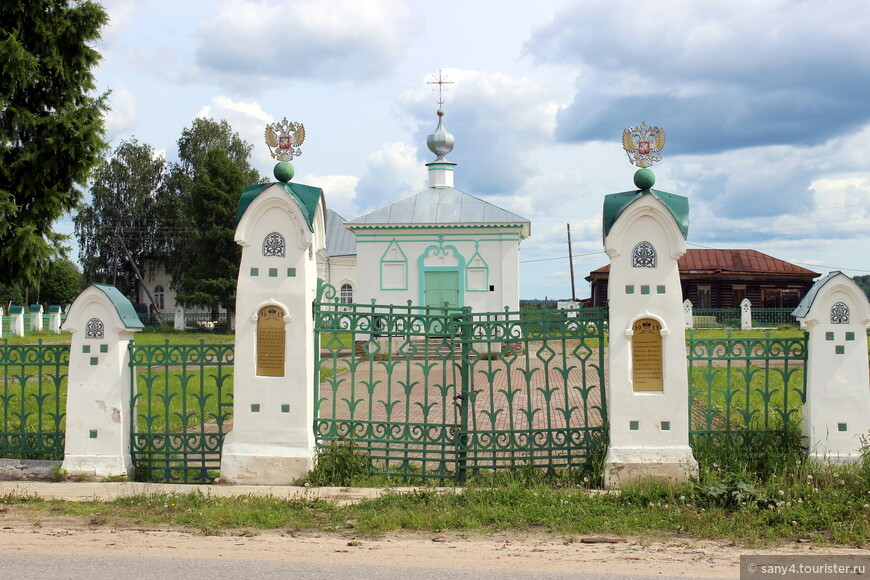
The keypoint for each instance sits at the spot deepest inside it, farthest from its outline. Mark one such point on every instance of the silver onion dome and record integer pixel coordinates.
(440, 142)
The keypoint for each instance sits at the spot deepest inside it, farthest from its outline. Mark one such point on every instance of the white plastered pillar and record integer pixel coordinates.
(836, 414)
(648, 381)
(102, 322)
(272, 441)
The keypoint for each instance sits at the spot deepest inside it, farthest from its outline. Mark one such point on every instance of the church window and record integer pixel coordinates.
(346, 294)
(159, 297)
(643, 256)
(274, 245)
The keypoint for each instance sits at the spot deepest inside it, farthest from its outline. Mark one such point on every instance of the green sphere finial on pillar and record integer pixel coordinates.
(284, 171)
(644, 178)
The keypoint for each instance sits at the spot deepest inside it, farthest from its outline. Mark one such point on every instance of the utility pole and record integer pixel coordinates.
(571, 265)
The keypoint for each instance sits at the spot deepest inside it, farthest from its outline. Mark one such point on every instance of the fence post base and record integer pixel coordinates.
(631, 465)
(263, 463)
(98, 466)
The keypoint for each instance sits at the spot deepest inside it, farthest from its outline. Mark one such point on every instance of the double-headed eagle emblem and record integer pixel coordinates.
(285, 139)
(642, 144)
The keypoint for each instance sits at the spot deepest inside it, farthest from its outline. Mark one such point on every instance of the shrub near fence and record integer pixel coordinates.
(33, 400)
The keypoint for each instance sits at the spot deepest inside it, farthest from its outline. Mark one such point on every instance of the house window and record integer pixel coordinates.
(703, 297)
(643, 256)
(346, 294)
(738, 294)
(839, 313)
(274, 245)
(159, 297)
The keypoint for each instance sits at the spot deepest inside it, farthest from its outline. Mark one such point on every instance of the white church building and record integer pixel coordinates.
(434, 247)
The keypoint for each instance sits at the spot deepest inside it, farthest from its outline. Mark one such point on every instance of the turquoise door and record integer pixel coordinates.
(441, 287)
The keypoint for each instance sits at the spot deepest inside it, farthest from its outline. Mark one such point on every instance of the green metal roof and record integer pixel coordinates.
(123, 306)
(615, 204)
(306, 196)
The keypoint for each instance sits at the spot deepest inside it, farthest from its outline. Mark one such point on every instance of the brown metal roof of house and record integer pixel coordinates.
(698, 261)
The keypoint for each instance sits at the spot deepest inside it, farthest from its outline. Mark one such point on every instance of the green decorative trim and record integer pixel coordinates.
(291, 272)
(86, 348)
(255, 408)
(104, 348)
(92, 433)
(841, 427)
(470, 268)
(839, 349)
(385, 260)
(273, 272)
(353, 227)
(285, 408)
(459, 269)
(94, 361)
(829, 336)
(850, 336)
(629, 289)
(123, 307)
(634, 425)
(644, 289)
(666, 425)
(255, 271)
(306, 197)
(660, 289)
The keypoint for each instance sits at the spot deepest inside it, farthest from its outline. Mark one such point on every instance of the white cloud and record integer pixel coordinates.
(246, 118)
(392, 172)
(123, 115)
(338, 190)
(253, 40)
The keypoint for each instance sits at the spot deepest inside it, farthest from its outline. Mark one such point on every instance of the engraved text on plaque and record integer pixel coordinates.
(270, 342)
(646, 344)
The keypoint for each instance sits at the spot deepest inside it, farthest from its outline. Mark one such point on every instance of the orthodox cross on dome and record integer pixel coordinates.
(642, 144)
(440, 81)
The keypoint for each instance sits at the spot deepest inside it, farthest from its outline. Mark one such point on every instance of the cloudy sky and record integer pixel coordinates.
(765, 105)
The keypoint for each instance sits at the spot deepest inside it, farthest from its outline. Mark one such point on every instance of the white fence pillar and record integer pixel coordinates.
(2, 322)
(836, 414)
(98, 413)
(745, 315)
(17, 315)
(180, 323)
(648, 388)
(36, 312)
(272, 441)
(54, 319)
(687, 314)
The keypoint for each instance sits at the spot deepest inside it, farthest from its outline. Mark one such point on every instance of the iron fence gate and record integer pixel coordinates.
(445, 393)
(182, 407)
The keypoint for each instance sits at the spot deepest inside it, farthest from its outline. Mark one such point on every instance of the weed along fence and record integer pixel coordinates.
(444, 393)
(182, 408)
(746, 392)
(33, 400)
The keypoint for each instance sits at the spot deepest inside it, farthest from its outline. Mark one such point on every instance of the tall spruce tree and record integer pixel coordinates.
(51, 125)
(122, 217)
(210, 281)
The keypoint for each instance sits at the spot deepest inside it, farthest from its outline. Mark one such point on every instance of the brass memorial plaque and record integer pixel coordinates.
(270, 342)
(646, 344)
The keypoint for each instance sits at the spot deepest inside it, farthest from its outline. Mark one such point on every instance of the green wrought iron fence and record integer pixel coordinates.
(772, 317)
(182, 408)
(716, 318)
(33, 400)
(443, 393)
(747, 391)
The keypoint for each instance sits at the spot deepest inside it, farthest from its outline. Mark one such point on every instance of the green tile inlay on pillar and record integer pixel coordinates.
(644, 289)
(839, 349)
(291, 272)
(86, 348)
(92, 434)
(285, 408)
(94, 361)
(629, 289)
(273, 272)
(829, 336)
(255, 271)
(104, 348)
(660, 289)
(850, 336)
(841, 426)
(666, 425)
(634, 425)
(255, 408)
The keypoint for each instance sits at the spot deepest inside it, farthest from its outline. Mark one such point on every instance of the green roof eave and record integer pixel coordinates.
(615, 204)
(306, 196)
(123, 306)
